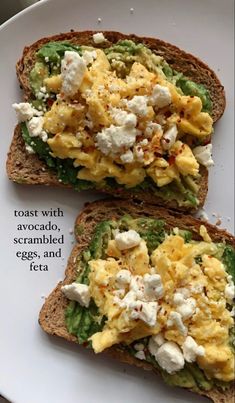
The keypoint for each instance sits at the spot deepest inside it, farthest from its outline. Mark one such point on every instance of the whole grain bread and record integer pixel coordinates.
(28, 169)
(51, 317)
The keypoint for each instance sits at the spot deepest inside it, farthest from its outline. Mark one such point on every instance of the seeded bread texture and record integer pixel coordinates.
(51, 317)
(28, 169)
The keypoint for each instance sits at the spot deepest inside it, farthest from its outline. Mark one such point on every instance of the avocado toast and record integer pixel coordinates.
(122, 248)
(132, 117)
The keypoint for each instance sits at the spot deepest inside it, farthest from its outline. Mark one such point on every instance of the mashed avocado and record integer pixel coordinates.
(123, 54)
(83, 322)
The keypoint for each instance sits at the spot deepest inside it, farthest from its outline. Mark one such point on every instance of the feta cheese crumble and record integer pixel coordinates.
(89, 56)
(191, 349)
(169, 137)
(123, 278)
(175, 319)
(127, 157)
(184, 306)
(25, 111)
(229, 290)
(138, 105)
(160, 96)
(152, 128)
(99, 38)
(154, 343)
(29, 149)
(203, 155)
(113, 139)
(77, 292)
(170, 357)
(153, 286)
(123, 118)
(127, 239)
(35, 128)
(140, 355)
(73, 68)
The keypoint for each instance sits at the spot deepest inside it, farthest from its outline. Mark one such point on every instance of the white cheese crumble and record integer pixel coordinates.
(154, 343)
(185, 307)
(138, 105)
(152, 128)
(99, 38)
(169, 137)
(29, 149)
(160, 96)
(127, 157)
(136, 304)
(153, 286)
(203, 155)
(89, 56)
(170, 357)
(140, 355)
(143, 142)
(35, 127)
(229, 289)
(73, 68)
(113, 139)
(123, 118)
(145, 311)
(175, 319)
(25, 111)
(191, 349)
(127, 239)
(123, 278)
(77, 292)
(139, 346)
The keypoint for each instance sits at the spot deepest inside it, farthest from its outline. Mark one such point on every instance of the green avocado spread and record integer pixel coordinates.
(84, 322)
(121, 57)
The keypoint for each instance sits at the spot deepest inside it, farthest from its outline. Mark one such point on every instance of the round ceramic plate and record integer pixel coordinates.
(35, 368)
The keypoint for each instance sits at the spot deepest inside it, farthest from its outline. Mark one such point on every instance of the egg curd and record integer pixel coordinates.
(102, 102)
(167, 299)
(117, 116)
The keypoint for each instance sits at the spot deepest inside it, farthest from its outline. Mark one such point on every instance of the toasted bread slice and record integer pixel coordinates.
(52, 318)
(27, 168)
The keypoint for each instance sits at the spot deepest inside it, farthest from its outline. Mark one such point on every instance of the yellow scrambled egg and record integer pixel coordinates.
(101, 90)
(174, 261)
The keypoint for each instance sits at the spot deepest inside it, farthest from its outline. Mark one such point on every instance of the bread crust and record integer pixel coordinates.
(51, 317)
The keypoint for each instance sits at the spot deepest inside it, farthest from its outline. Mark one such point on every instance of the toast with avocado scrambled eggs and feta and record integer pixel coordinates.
(122, 114)
(154, 289)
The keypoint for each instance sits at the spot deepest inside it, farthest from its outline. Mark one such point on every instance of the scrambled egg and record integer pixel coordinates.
(74, 123)
(174, 261)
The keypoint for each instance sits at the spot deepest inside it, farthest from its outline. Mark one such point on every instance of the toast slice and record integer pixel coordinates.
(52, 315)
(26, 168)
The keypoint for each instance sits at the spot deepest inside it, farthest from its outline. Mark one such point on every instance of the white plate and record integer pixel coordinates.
(35, 368)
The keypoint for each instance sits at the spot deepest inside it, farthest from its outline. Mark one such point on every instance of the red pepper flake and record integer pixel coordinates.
(171, 160)
(50, 102)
